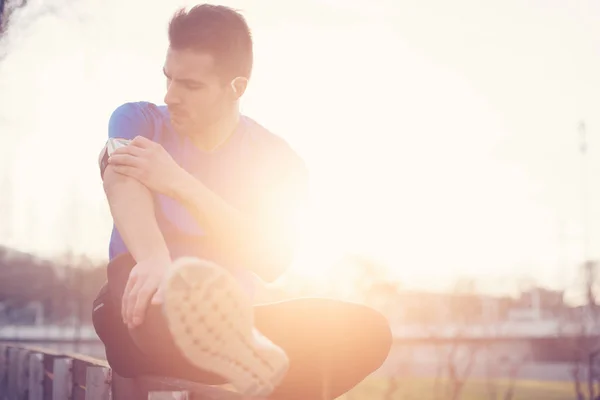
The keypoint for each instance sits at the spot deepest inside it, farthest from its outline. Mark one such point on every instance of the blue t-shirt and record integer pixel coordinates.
(247, 172)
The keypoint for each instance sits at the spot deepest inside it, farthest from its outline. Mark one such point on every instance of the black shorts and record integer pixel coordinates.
(342, 341)
(123, 353)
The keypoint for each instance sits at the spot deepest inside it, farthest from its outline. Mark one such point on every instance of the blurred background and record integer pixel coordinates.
(454, 169)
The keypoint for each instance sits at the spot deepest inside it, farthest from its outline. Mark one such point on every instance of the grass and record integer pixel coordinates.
(422, 389)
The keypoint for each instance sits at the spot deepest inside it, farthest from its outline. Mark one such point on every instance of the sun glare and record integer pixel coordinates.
(414, 156)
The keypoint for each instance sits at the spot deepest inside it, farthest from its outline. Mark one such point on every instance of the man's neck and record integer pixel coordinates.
(214, 136)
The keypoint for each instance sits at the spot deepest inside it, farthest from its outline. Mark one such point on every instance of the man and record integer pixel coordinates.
(203, 201)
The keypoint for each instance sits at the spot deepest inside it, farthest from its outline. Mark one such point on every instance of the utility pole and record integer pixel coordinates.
(583, 147)
(589, 266)
(562, 258)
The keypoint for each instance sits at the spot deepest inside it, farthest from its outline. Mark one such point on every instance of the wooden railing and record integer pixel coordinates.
(32, 373)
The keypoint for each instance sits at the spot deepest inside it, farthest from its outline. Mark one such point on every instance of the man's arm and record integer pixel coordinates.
(132, 208)
(131, 203)
(261, 242)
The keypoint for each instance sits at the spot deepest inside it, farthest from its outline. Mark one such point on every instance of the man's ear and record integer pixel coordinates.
(238, 86)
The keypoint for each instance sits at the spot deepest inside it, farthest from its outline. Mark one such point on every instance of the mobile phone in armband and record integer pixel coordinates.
(111, 145)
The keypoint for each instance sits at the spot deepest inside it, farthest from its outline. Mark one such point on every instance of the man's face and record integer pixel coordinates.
(196, 96)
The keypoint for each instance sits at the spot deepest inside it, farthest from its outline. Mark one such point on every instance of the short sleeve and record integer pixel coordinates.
(126, 122)
(129, 121)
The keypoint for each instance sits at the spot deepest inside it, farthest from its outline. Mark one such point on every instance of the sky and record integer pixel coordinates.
(441, 137)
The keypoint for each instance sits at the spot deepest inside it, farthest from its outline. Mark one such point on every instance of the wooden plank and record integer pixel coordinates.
(127, 389)
(79, 375)
(75, 356)
(12, 388)
(200, 390)
(48, 380)
(59, 377)
(62, 383)
(22, 374)
(36, 376)
(3, 370)
(78, 370)
(98, 383)
(169, 396)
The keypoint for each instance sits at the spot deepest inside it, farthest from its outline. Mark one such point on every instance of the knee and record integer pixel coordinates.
(367, 337)
(380, 338)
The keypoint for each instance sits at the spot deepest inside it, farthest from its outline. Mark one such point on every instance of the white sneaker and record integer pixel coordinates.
(211, 321)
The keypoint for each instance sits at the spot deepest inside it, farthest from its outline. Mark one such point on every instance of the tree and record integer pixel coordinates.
(25, 279)
(504, 359)
(7, 8)
(457, 359)
(586, 345)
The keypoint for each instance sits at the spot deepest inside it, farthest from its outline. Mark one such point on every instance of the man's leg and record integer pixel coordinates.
(148, 349)
(211, 320)
(332, 345)
(203, 332)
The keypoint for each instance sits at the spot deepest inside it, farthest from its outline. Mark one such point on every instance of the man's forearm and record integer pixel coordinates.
(132, 209)
(261, 251)
(218, 218)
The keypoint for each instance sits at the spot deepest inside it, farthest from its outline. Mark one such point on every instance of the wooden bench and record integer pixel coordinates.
(33, 373)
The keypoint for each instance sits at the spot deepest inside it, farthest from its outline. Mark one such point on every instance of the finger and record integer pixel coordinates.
(158, 297)
(142, 302)
(125, 159)
(133, 150)
(133, 172)
(128, 287)
(131, 302)
(142, 142)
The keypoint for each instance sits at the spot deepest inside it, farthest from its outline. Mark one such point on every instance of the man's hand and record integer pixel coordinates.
(143, 287)
(149, 163)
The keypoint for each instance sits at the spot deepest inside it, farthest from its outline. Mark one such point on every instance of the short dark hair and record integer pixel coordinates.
(217, 30)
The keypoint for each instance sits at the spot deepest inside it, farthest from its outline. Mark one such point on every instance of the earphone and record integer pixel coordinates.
(233, 87)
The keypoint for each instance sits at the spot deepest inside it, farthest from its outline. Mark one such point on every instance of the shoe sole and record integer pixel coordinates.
(211, 321)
